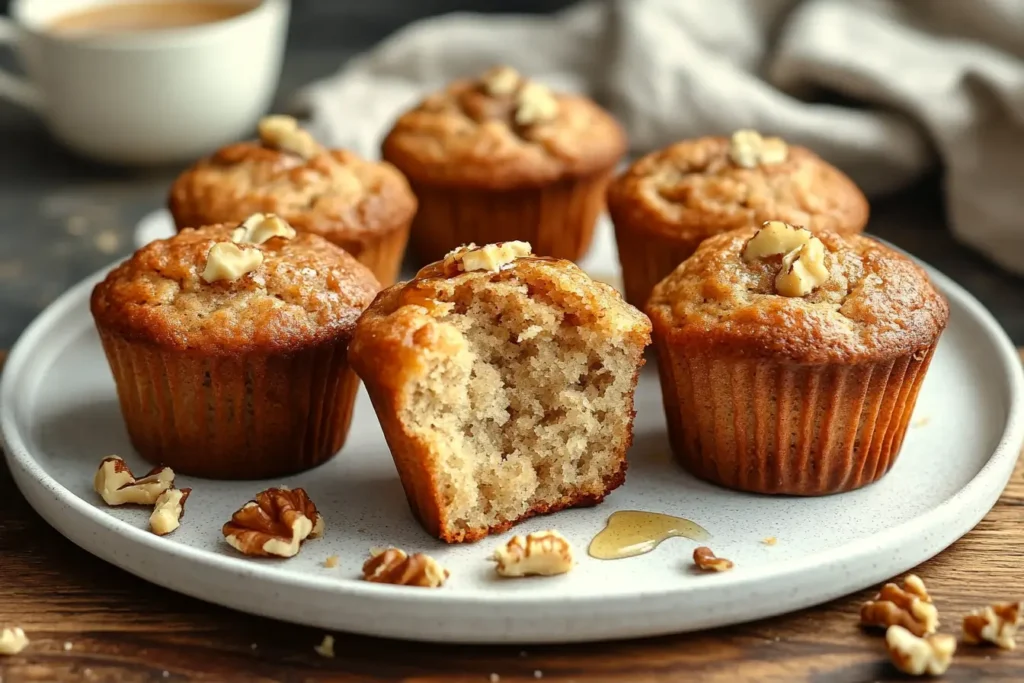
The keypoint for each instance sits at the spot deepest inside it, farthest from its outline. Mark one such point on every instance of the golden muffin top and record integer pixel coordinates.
(330, 192)
(500, 131)
(697, 188)
(788, 294)
(226, 289)
(407, 321)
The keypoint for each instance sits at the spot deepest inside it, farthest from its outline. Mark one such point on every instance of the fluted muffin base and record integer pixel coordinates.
(557, 220)
(647, 259)
(768, 427)
(233, 417)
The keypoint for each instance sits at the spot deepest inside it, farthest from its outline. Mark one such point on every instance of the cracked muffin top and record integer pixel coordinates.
(406, 319)
(870, 303)
(697, 188)
(329, 192)
(299, 291)
(503, 131)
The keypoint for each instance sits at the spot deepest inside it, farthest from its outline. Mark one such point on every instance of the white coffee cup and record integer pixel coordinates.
(151, 97)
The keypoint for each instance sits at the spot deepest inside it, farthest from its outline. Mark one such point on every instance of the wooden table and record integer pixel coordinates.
(90, 621)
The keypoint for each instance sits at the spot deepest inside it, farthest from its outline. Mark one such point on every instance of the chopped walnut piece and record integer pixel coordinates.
(706, 560)
(285, 134)
(919, 656)
(275, 523)
(259, 227)
(326, 647)
(910, 607)
(775, 238)
(535, 103)
(168, 510)
(12, 641)
(803, 270)
(541, 553)
(803, 257)
(490, 257)
(996, 624)
(228, 261)
(394, 566)
(500, 81)
(117, 485)
(747, 148)
(331, 561)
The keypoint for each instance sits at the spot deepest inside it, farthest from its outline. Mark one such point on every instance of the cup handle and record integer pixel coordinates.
(12, 87)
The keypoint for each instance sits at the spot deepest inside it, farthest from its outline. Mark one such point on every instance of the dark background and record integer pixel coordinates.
(62, 217)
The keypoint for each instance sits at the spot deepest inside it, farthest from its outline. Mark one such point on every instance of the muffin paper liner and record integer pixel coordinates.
(647, 259)
(557, 219)
(768, 427)
(382, 253)
(250, 416)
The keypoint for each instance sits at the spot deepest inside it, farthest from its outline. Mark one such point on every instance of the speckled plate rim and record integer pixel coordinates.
(89, 527)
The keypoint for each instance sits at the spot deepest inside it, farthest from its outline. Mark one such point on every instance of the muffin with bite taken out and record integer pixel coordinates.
(363, 207)
(501, 158)
(669, 201)
(504, 385)
(790, 362)
(228, 347)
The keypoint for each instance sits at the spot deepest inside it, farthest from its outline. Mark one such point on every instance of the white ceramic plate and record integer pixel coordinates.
(59, 416)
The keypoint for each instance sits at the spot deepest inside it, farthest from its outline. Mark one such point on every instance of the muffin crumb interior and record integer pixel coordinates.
(528, 411)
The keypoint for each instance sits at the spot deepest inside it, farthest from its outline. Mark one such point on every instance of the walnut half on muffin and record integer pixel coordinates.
(504, 385)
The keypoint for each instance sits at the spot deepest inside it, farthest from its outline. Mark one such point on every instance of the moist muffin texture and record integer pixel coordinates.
(799, 395)
(503, 394)
(669, 201)
(241, 378)
(488, 168)
(364, 207)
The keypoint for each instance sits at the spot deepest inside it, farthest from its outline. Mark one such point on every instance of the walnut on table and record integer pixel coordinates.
(395, 566)
(326, 647)
(12, 641)
(168, 510)
(917, 656)
(996, 624)
(117, 485)
(706, 560)
(908, 606)
(541, 553)
(274, 523)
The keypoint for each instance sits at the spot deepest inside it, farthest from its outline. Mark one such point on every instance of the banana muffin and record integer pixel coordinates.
(504, 385)
(228, 347)
(790, 362)
(503, 158)
(666, 203)
(363, 207)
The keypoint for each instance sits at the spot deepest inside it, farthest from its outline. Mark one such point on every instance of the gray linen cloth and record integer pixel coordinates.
(884, 89)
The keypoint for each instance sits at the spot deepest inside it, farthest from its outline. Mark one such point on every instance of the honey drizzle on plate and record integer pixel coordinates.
(634, 532)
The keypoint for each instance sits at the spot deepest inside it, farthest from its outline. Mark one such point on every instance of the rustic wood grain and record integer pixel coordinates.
(120, 628)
